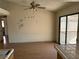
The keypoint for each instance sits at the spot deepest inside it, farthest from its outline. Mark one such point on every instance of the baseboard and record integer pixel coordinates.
(37, 42)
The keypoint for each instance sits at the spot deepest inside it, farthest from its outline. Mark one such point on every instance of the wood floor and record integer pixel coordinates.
(34, 50)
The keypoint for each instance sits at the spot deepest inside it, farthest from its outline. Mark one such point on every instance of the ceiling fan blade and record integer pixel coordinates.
(37, 5)
(31, 8)
(28, 8)
(42, 7)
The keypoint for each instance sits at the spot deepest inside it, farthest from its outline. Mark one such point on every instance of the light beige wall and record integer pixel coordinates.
(37, 26)
(72, 8)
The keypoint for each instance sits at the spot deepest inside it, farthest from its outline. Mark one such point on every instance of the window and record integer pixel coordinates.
(68, 29)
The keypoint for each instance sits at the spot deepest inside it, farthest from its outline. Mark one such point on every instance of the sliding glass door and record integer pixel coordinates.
(68, 29)
(63, 30)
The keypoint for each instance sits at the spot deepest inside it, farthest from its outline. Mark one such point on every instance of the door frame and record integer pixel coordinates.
(5, 18)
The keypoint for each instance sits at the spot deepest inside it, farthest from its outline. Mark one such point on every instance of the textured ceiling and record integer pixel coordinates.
(49, 4)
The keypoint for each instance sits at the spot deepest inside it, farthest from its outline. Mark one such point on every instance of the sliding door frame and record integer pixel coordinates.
(66, 27)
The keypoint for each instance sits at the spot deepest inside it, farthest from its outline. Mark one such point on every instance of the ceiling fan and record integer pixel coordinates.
(35, 5)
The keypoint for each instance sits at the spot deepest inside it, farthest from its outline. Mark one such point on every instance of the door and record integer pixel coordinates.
(68, 29)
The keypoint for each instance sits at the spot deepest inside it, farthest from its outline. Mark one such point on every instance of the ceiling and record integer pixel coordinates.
(3, 12)
(52, 5)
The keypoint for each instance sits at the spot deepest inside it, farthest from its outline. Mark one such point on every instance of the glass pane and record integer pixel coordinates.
(62, 30)
(4, 39)
(2, 23)
(63, 24)
(62, 37)
(72, 29)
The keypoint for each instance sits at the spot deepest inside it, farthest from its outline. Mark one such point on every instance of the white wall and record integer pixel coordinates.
(38, 26)
(72, 8)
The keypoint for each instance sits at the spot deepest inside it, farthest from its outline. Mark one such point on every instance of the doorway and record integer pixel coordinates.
(4, 29)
